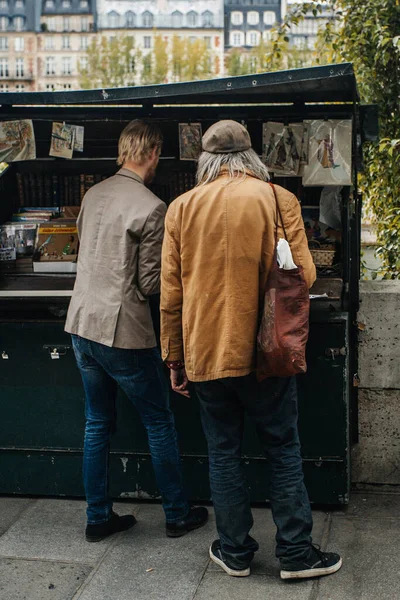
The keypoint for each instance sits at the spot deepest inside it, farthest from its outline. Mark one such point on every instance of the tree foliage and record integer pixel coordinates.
(110, 63)
(367, 35)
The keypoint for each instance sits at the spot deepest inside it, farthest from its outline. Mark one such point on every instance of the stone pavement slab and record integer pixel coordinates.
(40, 580)
(177, 565)
(371, 557)
(54, 529)
(368, 505)
(217, 586)
(11, 508)
(264, 532)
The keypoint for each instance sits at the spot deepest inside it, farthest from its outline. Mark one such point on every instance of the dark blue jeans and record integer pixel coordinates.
(272, 406)
(140, 375)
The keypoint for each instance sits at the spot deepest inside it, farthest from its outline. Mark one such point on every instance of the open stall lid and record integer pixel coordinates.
(331, 83)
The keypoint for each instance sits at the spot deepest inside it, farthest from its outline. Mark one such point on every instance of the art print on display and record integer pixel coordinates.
(189, 141)
(62, 140)
(282, 147)
(329, 153)
(17, 141)
(79, 135)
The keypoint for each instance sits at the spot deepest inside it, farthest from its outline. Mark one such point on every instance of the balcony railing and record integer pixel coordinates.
(147, 21)
(7, 75)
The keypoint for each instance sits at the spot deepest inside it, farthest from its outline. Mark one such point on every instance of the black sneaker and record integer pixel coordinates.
(196, 517)
(316, 565)
(99, 531)
(216, 556)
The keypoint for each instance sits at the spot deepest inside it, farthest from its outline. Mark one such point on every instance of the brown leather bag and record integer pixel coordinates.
(283, 332)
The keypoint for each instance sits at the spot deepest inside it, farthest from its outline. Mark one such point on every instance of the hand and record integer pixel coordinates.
(179, 382)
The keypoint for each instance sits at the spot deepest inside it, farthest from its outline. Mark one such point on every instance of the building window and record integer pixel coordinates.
(192, 18)
(3, 3)
(50, 65)
(66, 42)
(237, 38)
(207, 40)
(20, 87)
(192, 39)
(147, 19)
(3, 23)
(19, 44)
(177, 18)
(67, 86)
(3, 67)
(19, 4)
(51, 24)
(66, 65)
(147, 41)
(66, 3)
(113, 19)
(66, 24)
(252, 38)
(3, 87)
(84, 42)
(49, 87)
(49, 43)
(236, 18)
(84, 4)
(3, 43)
(253, 18)
(130, 19)
(19, 67)
(208, 19)
(84, 24)
(84, 63)
(19, 23)
(269, 17)
(49, 4)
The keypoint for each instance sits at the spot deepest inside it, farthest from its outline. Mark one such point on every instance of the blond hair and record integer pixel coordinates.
(137, 142)
(237, 165)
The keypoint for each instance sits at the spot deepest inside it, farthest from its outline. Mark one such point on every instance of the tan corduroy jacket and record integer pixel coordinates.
(217, 252)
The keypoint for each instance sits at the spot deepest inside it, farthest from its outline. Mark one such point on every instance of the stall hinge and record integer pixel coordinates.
(333, 353)
(56, 351)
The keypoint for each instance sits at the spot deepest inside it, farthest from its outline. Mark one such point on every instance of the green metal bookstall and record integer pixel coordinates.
(42, 401)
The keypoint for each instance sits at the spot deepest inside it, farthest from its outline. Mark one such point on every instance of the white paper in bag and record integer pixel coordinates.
(284, 255)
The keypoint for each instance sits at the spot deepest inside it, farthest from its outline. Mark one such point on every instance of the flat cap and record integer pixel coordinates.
(225, 137)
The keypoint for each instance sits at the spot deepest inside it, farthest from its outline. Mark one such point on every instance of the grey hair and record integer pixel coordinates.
(237, 165)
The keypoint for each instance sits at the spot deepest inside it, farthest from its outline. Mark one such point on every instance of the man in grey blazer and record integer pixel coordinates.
(121, 226)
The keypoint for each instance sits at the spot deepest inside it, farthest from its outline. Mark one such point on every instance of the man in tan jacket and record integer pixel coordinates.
(217, 253)
(121, 226)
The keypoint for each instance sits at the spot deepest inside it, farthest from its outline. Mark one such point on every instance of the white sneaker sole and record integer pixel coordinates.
(231, 572)
(311, 572)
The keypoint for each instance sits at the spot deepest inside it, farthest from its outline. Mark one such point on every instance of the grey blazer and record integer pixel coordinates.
(121, 227)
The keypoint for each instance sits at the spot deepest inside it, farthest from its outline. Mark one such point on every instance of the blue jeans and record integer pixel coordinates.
(272, 406)
(140, 375)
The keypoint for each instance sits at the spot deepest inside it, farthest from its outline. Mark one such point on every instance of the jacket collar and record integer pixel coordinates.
(224, 171)
(130, 174)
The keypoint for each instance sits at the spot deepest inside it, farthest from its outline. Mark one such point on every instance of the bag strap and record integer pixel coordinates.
(279, 215)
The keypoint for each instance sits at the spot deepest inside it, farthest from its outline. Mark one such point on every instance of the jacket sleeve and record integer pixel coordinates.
(150, 251)
(171, 292)
(294, 226)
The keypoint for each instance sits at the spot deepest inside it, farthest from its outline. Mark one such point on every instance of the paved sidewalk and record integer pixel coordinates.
(43, 556)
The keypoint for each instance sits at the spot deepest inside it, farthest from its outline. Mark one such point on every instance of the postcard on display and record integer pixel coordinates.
(305, 143)
(189, 141)
(329, 160)
(79, 135)
(62, 140)
(282, 146)
(17, 141)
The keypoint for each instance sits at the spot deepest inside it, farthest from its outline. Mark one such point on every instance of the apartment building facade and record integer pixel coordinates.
(19, 24)
(144, 19)
(247, 22)
(66, 30)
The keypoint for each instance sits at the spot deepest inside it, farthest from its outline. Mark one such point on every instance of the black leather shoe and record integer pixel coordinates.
(196, 517)
(99, 531)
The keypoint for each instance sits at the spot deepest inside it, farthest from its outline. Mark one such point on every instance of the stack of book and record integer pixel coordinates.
(40, 189)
